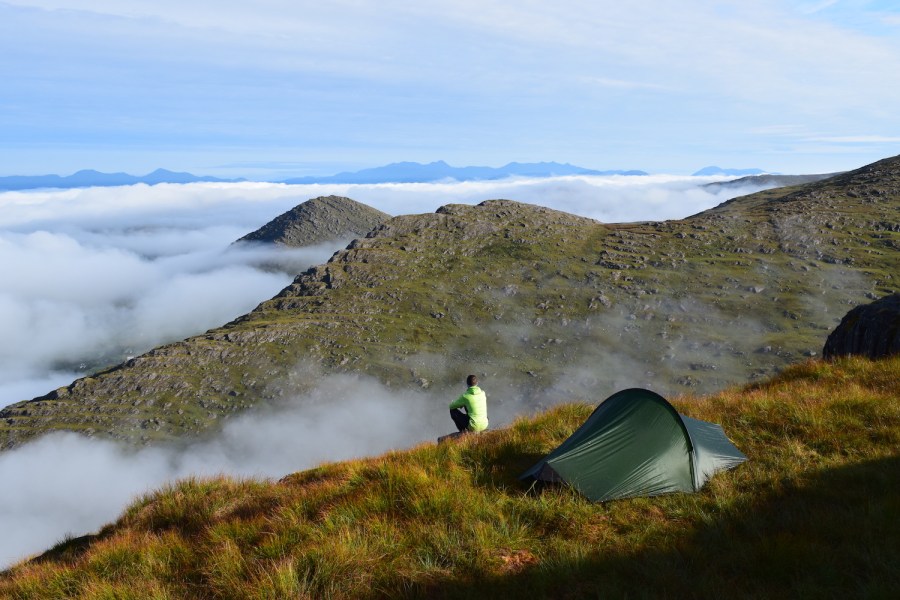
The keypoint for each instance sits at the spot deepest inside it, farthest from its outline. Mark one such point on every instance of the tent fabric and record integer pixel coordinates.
(636, 444)
(713, 451)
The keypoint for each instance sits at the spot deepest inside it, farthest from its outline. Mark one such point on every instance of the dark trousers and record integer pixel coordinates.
(460, 418)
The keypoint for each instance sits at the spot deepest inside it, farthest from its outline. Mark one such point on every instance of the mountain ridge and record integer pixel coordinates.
(399, 172)
(91, 178)
(413, 172)
(766, 181)
(714, 170)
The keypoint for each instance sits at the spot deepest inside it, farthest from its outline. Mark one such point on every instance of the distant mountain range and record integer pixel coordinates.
(412, 172)
(713, 170)
(401, 172)
(91, 178)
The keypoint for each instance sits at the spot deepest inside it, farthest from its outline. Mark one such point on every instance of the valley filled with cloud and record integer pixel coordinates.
(92, 276)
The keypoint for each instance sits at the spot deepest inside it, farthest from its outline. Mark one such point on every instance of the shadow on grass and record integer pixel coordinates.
(70, 549)
(499, 465)
(836, 535)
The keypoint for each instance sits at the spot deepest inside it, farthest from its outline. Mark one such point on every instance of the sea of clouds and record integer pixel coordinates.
(91, 276)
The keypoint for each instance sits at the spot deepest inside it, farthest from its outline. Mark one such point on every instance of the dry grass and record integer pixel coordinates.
(813, 514)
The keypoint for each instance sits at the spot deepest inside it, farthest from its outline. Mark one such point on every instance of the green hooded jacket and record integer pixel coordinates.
(474, 401)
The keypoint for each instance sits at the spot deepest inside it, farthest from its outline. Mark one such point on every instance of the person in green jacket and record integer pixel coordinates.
(474, 400)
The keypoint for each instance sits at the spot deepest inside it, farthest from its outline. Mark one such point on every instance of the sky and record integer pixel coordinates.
(91, 276)
(277, 88)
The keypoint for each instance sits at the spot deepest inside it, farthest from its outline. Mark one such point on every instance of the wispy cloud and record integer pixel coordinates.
(470, 82)
(85, 483)
(624, 84)
(793, 130)
(858, 139)
(88, 277)
(810, 8)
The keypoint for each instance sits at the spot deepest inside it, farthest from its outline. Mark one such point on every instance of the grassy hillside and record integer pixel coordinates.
(815, 513)
(544, 304)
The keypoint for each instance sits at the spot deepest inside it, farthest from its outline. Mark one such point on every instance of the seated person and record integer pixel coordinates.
(474, 401)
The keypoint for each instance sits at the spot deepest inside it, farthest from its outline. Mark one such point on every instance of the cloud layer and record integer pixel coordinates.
(64, 484)
(89, 276)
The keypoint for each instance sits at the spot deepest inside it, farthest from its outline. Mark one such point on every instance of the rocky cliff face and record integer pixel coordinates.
(322, 219)
(542, 304)
(871, 330)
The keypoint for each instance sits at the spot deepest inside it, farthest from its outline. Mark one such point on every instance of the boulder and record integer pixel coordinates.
(871, 330)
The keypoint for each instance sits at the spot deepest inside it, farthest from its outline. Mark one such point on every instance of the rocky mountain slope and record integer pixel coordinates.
(322, 219)
(544, 305)
(766, 180)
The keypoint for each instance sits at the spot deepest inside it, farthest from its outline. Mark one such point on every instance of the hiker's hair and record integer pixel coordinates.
(471, 380)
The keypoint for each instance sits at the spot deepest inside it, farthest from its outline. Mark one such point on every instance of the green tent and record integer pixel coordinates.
(636, 444)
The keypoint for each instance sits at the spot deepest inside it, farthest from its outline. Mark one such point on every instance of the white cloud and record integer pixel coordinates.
(645, 85)
(90, 276)
(858, 139)
(83, 484)
(610, 199)
(265, 17)
(624, 84)
(814, 7)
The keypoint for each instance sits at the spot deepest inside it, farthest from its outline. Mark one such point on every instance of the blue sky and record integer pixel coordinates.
(279, 88)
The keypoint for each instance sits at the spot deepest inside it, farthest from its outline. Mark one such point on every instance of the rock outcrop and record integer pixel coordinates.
(871, 330)
(322, 219)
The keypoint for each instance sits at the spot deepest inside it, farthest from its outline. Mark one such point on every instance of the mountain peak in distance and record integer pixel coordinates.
(714, 170)
(439, 170)
(92, 178)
